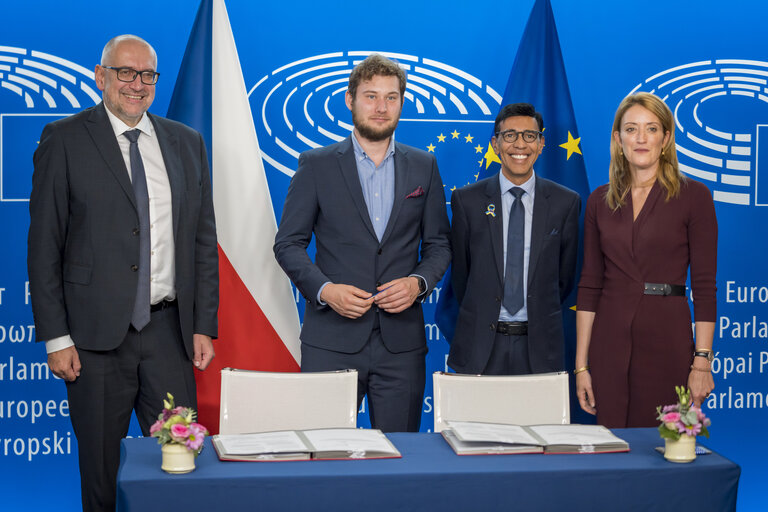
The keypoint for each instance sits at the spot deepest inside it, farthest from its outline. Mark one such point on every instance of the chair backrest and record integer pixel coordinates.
(254, 401)
(536, 399)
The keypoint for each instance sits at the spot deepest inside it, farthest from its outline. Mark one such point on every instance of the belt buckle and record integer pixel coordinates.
(656, 289)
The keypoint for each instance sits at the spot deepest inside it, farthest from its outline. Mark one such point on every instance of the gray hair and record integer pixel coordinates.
(106, 54)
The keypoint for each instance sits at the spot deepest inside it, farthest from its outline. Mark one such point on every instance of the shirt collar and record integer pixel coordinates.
(119, 127)
(506, 185)
(360, 153)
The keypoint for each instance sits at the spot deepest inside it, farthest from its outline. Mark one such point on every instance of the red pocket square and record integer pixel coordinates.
(416, 193)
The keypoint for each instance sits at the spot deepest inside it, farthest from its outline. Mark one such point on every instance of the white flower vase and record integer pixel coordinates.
(177, 459)
(682, 450)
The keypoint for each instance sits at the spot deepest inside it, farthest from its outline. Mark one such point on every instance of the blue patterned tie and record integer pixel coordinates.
(513, 273)
(140, 317)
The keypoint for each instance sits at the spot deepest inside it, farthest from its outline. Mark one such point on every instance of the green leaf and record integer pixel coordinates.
(668, 434)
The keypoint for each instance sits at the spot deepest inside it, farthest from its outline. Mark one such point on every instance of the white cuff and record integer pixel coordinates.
(59, 343)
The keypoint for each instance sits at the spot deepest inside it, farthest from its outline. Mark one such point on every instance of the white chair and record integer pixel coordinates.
(254, 401)
(519, 400)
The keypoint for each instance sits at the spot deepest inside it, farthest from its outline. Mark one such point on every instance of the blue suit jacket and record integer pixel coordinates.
(325, 198)
(82, 240)
(478, 272)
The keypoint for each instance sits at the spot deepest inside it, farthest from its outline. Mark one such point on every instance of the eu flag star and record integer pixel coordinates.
(468, 138)
(431, 148)
(490, 156)
(454, 134)
(572, 146)
(441, 137)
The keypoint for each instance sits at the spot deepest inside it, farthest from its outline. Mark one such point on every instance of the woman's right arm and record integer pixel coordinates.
(590, 290)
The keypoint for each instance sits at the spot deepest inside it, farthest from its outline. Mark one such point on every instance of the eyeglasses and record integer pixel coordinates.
(512, 135)
(148, 77)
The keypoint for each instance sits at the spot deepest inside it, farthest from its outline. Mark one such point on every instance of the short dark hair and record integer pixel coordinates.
(375, 65)
(518, 109)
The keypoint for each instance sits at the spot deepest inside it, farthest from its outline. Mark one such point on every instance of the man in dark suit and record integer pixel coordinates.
(123, 264)
(514, 237)
(377, 211)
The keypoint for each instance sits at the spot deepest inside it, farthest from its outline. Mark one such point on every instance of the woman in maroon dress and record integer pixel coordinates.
(641, 233)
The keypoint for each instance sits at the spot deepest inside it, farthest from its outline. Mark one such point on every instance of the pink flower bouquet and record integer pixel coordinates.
(176, 425)
(682, 418)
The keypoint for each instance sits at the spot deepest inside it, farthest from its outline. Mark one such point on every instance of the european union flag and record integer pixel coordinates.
(538, 77)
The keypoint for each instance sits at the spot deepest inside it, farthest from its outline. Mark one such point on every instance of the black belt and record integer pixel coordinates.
(163, 304)
(664, 289)
(512, 328)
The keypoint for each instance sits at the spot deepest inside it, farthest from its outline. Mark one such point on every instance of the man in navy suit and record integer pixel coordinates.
(123, 263)
(377, 211)
(514, 238)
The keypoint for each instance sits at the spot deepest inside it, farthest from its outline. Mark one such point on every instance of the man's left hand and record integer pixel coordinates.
(398, 295)
(203, 351)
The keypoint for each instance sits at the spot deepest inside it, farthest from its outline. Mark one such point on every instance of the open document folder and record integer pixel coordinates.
(468, 438)
(325, 443)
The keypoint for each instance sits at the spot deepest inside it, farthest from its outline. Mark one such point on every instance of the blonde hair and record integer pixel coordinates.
(668, 174)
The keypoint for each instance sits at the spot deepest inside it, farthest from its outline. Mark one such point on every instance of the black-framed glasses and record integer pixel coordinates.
(512, 135)
(148, 77)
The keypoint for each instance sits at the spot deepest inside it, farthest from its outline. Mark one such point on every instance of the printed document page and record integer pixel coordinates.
(491, 433)
(287, 441)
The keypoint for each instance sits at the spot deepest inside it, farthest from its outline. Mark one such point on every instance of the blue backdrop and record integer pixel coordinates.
(707, 62)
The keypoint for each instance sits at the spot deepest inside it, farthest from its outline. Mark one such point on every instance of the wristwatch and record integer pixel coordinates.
(422, 285)
(705, 353)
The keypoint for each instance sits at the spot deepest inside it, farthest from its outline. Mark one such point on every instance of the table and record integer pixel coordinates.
(431, 477)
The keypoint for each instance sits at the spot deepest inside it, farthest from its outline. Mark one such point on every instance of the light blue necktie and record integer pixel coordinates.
(513, 273)
(140, 317)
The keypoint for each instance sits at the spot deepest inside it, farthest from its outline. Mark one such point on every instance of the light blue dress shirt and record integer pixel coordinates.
(378, 184)
(507, 199)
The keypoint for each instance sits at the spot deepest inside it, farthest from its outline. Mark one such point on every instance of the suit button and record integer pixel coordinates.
(134, 268)
(493, 327)
(498, 299)
(135, 231)
(378, 283)
(379, 252)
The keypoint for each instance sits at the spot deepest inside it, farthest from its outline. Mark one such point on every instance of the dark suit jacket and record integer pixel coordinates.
(81, 235)
(478, 272)
(325, 197)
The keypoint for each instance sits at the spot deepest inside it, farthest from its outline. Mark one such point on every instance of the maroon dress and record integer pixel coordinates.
(642, 345)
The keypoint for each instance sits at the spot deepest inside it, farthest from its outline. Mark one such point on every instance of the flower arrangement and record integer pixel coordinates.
(682, 418)
(176, 425)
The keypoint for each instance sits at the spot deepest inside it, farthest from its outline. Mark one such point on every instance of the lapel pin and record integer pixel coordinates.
(491, 210)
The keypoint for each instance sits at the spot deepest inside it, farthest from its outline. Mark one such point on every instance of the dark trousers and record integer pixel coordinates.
(136, 375)
(509, 356)
(394, 382)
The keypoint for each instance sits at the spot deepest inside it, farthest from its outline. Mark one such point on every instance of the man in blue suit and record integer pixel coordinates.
(377, 211)
(514, 237)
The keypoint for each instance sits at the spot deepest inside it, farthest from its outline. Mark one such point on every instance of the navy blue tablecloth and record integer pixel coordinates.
(431, 477)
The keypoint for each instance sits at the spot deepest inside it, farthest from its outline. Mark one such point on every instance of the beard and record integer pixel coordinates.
(371, 133)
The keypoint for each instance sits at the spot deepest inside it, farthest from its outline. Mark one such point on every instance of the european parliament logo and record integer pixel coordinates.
(721, 115)
(300, 106)
(35, 89)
